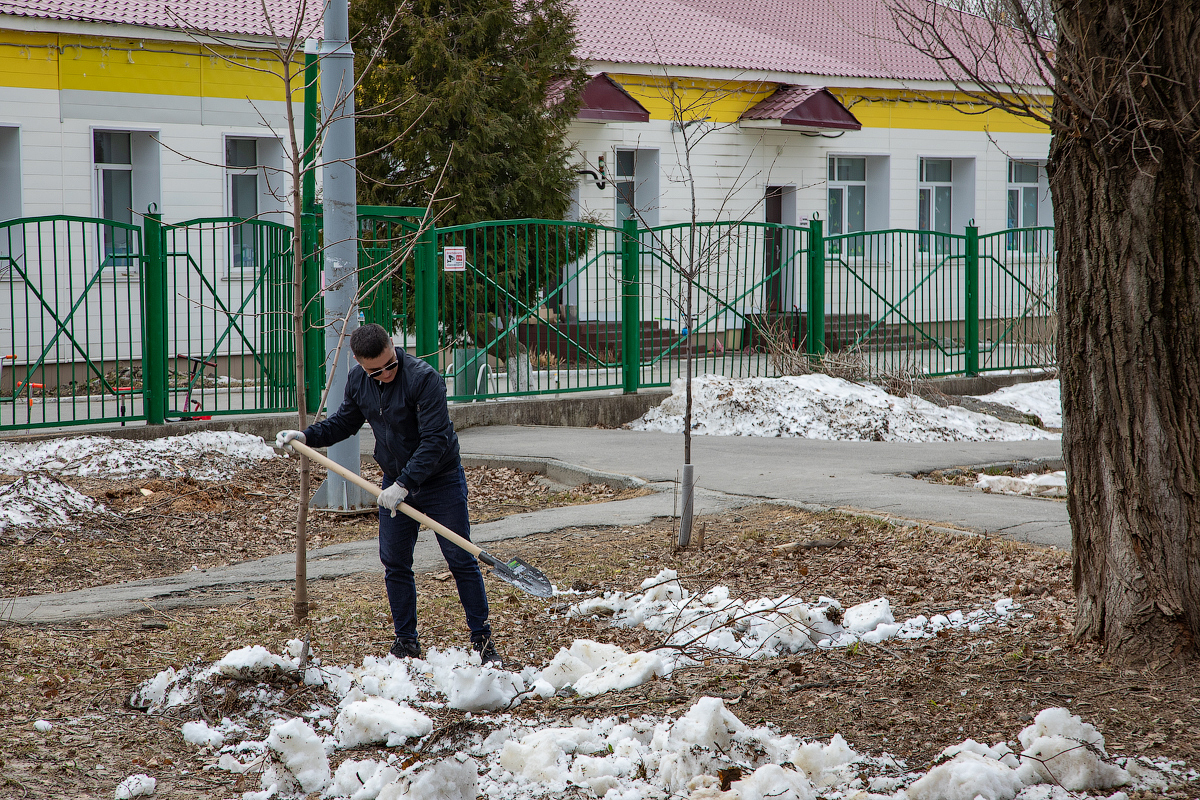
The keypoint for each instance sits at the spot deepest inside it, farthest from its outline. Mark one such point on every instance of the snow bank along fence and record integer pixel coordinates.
(113, 322)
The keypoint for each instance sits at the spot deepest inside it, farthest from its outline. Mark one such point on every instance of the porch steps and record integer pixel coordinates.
(570, 339)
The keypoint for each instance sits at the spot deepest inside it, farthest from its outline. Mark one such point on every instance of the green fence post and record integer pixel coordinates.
(427, 297)
(314, 334)
(631, 312)
(314, 314)
(816, 288)
(972, 300)
(154, 312)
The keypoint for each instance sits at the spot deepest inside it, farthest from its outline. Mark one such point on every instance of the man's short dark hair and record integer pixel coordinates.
(369, 341)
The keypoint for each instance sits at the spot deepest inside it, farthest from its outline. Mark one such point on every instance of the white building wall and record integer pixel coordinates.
(56, 148)
(733, 166)
(58, 178)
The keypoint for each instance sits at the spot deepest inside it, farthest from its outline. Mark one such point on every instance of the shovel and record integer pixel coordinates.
(514, 571)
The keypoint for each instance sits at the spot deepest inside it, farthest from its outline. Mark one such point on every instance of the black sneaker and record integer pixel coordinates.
(406, 648)
(487, 651)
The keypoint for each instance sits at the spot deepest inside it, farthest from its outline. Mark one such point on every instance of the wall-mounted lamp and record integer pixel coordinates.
(600, 176)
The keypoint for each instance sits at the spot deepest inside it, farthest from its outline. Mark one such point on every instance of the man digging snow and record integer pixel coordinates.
(404, 399)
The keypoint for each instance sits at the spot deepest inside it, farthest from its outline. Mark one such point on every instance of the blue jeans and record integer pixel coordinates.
(443, 497)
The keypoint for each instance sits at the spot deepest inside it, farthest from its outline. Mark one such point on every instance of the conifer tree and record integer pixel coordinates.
(491, 86)
(485, 80)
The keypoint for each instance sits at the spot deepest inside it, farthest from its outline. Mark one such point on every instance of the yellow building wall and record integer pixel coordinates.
(141, 66)
(725, 101)
(944, 111)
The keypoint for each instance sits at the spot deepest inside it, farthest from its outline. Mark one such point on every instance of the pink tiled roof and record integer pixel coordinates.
(215, 16)
(845, 38)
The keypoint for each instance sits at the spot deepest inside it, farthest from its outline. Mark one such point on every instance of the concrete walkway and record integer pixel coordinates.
(731, 472)
(863, 476)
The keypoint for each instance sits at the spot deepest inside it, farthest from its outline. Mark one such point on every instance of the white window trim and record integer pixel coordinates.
(111, 273)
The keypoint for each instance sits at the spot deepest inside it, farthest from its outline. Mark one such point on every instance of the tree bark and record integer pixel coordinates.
(1125, 178)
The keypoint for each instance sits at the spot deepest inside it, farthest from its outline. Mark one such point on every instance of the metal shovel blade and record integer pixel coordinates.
(519, 574)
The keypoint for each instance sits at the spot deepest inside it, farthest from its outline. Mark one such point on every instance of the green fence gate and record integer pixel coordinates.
(228, 328)
(926, 304)
(70, 340)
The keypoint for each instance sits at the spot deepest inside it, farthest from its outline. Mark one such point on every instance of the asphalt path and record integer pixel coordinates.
(875, 477)
(868, 477)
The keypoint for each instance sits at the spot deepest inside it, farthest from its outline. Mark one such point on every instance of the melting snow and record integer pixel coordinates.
(1035, 484)
(205, 455)
(40, 501)
(1041, 398)
(383, 702)
(716, 624)
(822, 407)
(616, 759)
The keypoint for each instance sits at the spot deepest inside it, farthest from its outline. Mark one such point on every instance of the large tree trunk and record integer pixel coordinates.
(1126, 187)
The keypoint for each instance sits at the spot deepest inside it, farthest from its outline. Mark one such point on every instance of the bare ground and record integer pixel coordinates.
(157, 527)
(909, 698)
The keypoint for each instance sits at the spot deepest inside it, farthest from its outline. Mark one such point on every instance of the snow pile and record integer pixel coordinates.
(40, 501)
(302, 752)
(822, 407)
(1034, 484)
(591, 668)
(205, 455)
(650, 756)
(613, 758)
(1043, 399)
(1061, 748)
(135, 786)
(716, 624)
(1061, 752)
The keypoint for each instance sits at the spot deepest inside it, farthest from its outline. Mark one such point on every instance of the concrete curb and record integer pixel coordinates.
(554, 470)
(573, 411)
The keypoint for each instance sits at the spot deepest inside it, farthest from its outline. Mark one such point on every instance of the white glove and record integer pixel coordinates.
(393, 496)
(283, 437)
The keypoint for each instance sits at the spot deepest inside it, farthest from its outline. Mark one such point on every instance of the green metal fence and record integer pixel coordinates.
(926, 304)
(745, 282)
(112, 323)
(229, 328)
(1018, 300)
(526, 307)
(70, 340)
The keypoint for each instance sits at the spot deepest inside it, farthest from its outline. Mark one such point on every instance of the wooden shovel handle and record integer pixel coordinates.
(404, 508)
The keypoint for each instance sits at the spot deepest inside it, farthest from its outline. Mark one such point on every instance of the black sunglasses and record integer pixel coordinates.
(375, 373)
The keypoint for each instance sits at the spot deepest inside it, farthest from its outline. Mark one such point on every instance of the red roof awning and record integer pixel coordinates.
(603, 100)
(812, 107)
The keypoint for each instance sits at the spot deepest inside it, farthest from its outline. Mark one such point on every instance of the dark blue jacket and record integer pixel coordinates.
(414, 437)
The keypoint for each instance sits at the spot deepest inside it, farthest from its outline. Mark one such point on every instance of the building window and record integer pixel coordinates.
(935, 200)
(626, 185)
(847, 200)
(112, 152)
(10, 173)
(1028, 202)
(847, 195)
(636, 186)
(11, 237)
(242, 167)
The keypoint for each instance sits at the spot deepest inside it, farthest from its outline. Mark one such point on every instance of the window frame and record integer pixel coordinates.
(835, 184)
(113, 263)
(240, 263)
(1020, 190)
